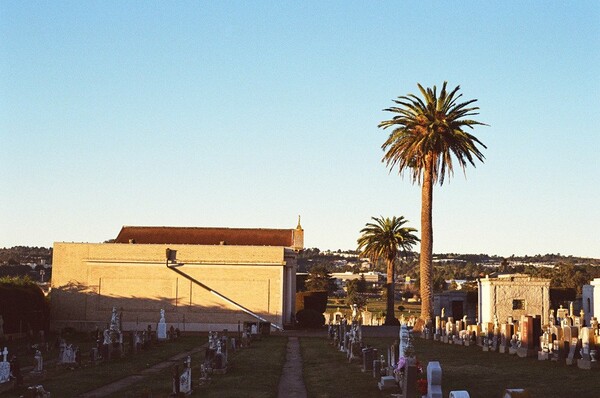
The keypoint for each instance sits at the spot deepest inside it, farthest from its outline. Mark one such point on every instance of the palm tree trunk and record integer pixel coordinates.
(389, 312)
(425, 265)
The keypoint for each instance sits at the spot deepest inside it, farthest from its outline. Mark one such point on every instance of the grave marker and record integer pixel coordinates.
(4, 367)
(459, 394)
(434, 380)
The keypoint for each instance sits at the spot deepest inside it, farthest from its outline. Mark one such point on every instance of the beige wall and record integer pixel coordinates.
(89, 279)
(496, 297)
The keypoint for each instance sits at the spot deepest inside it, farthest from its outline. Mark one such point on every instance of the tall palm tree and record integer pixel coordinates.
(428, 137)
(382, 240)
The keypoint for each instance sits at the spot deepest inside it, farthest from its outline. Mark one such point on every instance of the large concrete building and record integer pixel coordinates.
(208, 279)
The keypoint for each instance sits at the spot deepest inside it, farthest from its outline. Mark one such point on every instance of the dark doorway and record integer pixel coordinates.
(457, 309)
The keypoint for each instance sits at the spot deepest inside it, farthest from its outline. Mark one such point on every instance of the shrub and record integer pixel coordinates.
(310, 319)
(315, 300)
(356, 298)
(22, 305)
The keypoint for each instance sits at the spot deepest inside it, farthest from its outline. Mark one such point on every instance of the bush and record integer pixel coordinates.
(310, 319)
(23, 306)
(315, 300)
(356, 298)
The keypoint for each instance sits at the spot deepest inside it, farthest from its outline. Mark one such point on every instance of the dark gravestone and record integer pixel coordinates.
(368, 357)
(409, 384)
(376, 369)
(537, 331)
(528, 338)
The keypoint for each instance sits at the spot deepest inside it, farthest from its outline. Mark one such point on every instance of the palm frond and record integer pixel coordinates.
(431, 127)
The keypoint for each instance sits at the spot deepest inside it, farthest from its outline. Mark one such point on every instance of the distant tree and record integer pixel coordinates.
(356, 298)
(319, 278)
(382, 239)
(504, 266)
(428, 136)
(358, 285)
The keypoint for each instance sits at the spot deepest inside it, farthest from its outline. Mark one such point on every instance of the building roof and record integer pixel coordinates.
(207, 236)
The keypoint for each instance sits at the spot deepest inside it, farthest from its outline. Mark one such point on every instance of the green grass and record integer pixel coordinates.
(487, 374)
(253, 372)
(327, 372)
(65, 382)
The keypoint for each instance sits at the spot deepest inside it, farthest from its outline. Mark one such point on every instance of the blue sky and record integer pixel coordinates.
(247, 114)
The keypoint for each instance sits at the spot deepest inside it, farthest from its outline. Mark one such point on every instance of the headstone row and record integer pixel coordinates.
(563, 338)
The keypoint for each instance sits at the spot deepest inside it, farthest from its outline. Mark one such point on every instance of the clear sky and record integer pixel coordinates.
(249, 113)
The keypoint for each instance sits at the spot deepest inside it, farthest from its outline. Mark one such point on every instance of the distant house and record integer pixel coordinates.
(240, 271)
(343, 277)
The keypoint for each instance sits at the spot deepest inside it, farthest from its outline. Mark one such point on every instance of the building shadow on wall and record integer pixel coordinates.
(82, 308)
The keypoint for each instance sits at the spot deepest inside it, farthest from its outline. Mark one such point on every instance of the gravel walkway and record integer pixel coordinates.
(123, 383)
(291, 384)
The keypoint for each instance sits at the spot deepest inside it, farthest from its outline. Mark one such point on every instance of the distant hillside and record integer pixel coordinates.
(20, 261)
(25, 255)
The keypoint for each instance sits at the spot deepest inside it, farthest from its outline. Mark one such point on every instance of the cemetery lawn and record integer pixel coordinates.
(253, 372)
(327, 372)
(62, 381)
(487, 374)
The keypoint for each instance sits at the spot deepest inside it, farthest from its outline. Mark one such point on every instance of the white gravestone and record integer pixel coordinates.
(39, 362)
(161, 329)
(185, 380)
(4, 367)
(459, 394)
(115, 321)
(67, 355)
(403, 341)
(434, 380)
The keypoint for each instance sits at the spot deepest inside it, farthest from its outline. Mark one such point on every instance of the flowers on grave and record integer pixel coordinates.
(422, 386)
(401, 365)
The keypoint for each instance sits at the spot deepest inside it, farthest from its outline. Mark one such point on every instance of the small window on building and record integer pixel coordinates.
(518, 304)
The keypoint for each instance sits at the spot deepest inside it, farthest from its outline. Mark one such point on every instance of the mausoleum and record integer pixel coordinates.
(456, 304)
(513, 295)
(203, 278)
(591, 300)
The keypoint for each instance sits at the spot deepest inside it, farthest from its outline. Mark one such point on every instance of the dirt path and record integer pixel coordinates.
(291, 384)
(125, 382)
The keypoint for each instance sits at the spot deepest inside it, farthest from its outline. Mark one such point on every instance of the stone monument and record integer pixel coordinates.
(434, 380)
(4, 367)
(39, 362)
(161, 329)
(185, 380)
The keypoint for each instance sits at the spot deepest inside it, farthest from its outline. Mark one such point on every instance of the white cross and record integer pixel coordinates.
(5, 354)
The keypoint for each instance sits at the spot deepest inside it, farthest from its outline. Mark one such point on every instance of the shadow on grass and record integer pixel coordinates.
(252, 372)
(70, 382)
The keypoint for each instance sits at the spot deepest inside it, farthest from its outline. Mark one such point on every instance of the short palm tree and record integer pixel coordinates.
(428, 136)
(381, 240)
